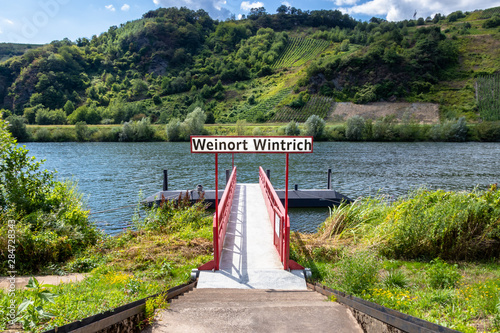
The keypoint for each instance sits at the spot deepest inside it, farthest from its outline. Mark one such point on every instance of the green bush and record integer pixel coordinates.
(138, 131)
(395, 278)
(172, 216)
(354, 128)
(450, 130)
(292, 129)
(425, 224)
(314, 126)
(442, 275)
(173, 130)
(42, 135)
(489, 131)
(17, 127)
(357, 273)
(82, 131)
(47, 216)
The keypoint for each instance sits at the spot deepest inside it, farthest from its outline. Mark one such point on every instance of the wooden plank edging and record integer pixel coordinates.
(399, 320)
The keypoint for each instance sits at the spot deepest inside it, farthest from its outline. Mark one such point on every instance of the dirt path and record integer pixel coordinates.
(22, 281)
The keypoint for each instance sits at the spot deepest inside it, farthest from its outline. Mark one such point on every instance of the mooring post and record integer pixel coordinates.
(329, 179)
(268, 174)
(296, 187)
(165, 180)
(228, 174)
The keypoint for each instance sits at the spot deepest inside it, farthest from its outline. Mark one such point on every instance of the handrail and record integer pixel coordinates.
(276, 211)
(220, 226)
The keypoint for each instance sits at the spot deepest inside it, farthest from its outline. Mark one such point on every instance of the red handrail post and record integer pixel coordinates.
(216, 235)
(286, 235)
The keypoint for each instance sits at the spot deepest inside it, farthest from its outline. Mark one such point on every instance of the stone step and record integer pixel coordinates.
(250, 295)
(243, 310)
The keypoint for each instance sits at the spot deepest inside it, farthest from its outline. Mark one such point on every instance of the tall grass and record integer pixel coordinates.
(488, 97)
(426, 224)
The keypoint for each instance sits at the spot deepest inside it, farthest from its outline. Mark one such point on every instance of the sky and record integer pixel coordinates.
(43, 21)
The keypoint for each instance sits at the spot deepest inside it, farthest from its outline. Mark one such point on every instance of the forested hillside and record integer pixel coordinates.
(266, 67)
(9, 50)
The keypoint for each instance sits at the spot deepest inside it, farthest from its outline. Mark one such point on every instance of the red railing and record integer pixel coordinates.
(221, 218)
(276, 211)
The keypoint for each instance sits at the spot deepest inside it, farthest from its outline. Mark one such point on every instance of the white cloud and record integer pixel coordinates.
(396, 10)
(111, 8)
(125, 8)
(345, 2)
(215, 8)
(8, 21)
(286, 3)
(240, 16)
(1, 32)
(247, 5)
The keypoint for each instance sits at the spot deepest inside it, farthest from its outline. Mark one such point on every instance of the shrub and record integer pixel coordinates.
(173, 130)
(450, 130)
(395, 278)
(442, 275)
(42, 135)
(194, 122)
(354, 128)
(138, 131)
(442, 224)
(357, 273)
(314, 126)
(49, 221)
(292, 128)
(82, 131)
(63, 135)
(17, 127)
(54, 117)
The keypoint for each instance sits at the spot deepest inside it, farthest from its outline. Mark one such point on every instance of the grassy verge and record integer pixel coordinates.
(393, 254)
(385, 129)
(158, 255)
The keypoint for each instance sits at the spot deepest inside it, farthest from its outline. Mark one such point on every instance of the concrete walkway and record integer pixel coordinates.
(249, 259)
(237, 310)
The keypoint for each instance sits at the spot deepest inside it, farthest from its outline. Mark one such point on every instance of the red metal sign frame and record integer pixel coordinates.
(282, 241)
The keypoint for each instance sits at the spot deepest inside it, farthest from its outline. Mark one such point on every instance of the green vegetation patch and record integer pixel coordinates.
(300, 50)
(404, 255)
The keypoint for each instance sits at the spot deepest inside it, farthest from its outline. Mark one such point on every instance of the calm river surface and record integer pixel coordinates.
(112, 175)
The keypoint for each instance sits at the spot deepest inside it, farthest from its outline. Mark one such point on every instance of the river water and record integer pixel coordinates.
(112, 175)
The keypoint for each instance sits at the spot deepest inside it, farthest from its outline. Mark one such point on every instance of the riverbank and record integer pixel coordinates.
(357, 129)
(433, 255)
(157, 254)
(345, 254)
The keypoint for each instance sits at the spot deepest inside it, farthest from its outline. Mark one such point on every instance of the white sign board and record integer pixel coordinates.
(277, 224)
(251, 144)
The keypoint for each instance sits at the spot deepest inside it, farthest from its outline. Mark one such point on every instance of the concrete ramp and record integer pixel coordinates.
(237, 310)
(249, 259)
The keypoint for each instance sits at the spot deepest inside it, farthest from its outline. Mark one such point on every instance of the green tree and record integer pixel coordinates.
(82, 131)
(173, 130)
(17, 127)
(354, 128)
(194, 122)
(292, 128)
(69, 107)
(314, 126)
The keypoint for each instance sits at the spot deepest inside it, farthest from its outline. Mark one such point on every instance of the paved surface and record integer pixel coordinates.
(22, 281)
(243, 310)
(249, 259)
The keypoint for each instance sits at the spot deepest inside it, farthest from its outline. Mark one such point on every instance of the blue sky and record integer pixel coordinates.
(42, 21)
